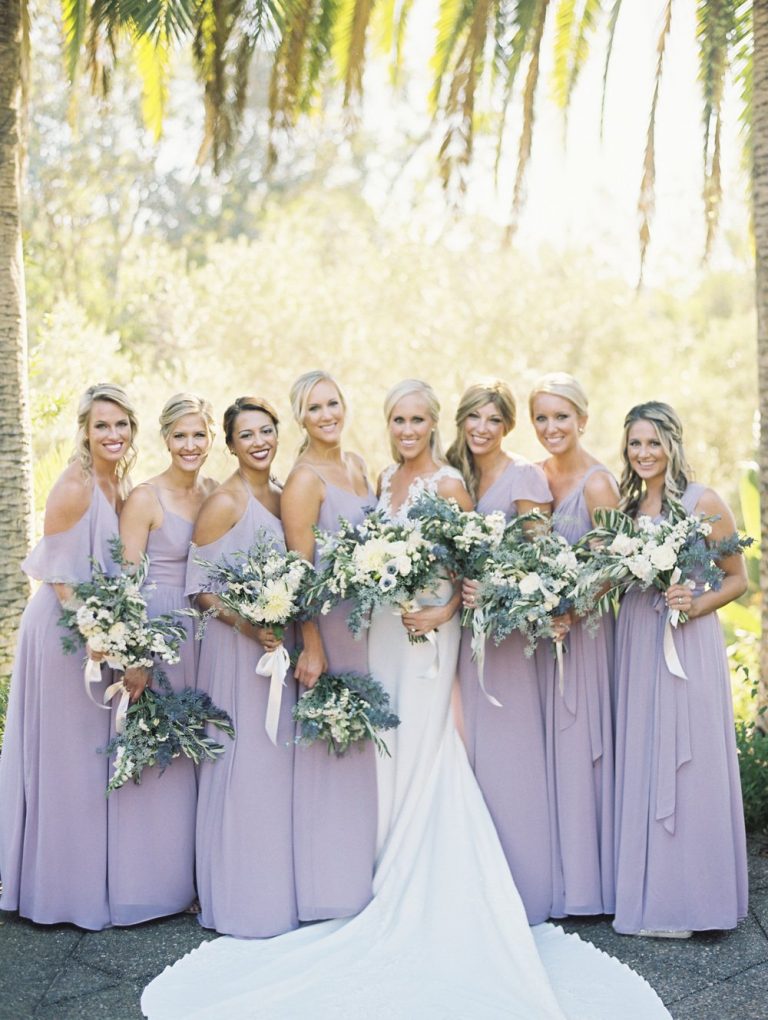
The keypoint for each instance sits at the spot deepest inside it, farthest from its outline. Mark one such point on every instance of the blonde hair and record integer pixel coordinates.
(669, 430)
(406, 388)
(181, 404)
(561, 384)
(474, 397)
(82, 452)
(300, 394)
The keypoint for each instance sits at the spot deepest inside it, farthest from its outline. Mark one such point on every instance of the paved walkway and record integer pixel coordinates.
(62, 973)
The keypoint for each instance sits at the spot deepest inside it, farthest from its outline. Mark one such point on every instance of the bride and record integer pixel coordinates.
(445, 935)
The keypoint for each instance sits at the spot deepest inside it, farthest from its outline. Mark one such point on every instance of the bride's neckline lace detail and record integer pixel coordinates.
(422, 483)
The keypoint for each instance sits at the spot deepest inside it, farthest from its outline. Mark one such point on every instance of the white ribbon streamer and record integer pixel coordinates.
(122, 708)
(671, 658)
(413, 606)
(478, 653)
(274, 665)
(559, 655)
(92, 675)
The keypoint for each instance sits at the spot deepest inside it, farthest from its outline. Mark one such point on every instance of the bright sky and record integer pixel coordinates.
(581, 191)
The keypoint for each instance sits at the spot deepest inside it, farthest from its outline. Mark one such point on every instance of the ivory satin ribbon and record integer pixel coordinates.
(274, 665)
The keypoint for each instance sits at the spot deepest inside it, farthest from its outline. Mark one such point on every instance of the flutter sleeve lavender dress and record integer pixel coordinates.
(152, 826)
(579, 731)
(680, 845)
(506, 746)
(53, 809)
(244, 826)
(335, 799)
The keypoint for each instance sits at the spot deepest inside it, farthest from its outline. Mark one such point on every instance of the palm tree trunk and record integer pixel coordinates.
(15, 445)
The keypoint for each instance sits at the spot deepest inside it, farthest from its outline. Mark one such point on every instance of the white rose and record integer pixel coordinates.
(641, 568)
(663, 557)
(529, 584)
(623, 545)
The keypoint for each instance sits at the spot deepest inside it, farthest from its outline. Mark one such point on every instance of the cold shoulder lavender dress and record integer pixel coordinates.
(244, 827)
(335, 799)
(680, 846)
(506, 746)
(53, 811)
(152, 826)
(579, 731)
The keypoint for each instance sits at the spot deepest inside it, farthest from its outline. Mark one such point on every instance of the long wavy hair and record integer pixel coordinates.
(407, 388)
(561, 384)
(669, 430)
(300, 393)
(82, 452)
(474, 397)
(181, 404)
(246, 404)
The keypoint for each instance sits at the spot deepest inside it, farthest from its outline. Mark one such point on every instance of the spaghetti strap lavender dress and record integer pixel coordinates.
(681, 859)
(506, 746)
(53, 809)
(244, 826)
(152, 826)
(579, 732)
(335, 799)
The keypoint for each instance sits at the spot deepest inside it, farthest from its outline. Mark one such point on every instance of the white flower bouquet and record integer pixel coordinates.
(343, 709)
(161, 726)
(375, 563)
(622, 552)
(463, 539)
(110, 614)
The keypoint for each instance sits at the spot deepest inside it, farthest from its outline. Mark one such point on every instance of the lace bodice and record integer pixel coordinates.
(422, 483)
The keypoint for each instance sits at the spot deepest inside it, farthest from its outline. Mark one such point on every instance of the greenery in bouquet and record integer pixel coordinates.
(377, 562)
(163, 725)
(623, 552)
(265, 585)
(343, 709)
(463, 539)
(530, 579)
(109, 613)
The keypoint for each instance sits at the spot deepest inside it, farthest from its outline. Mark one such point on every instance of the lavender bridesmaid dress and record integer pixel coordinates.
(53, 811)
(152, 826)
(506, 746)
(244, 828)
(579, 731)
(680, 844)
(335, 799)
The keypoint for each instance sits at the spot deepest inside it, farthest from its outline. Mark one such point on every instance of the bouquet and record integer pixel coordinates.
(463, 539)
(342, 709)
(267, 587)
(162, 725)
(624, 552)
(528, 581)
(110, 614)
(377, 562)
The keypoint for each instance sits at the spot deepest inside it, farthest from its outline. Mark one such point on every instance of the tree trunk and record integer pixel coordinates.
(15, 444)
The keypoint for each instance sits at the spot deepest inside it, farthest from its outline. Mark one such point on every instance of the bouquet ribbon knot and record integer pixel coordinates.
(274, 665)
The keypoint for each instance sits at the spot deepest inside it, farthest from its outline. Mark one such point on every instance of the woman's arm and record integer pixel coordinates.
(300, 506)
(680, 596)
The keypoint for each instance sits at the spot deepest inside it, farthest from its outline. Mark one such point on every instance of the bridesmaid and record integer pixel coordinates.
(53, 811)
(244, 831)
(335, 812)
(680, 846)
(505, 745)
(157, 519)
(578, 721)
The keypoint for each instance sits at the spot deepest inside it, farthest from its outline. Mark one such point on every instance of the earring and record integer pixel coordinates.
(581, 430)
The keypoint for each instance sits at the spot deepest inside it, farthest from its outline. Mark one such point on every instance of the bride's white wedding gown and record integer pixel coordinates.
(446, 934)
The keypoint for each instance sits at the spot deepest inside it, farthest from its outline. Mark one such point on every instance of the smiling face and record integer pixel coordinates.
(557, 423)
(188, 442)
(484, 429)
(410, 426)
(254, 440)
(645, 451)
(109, 432)
(324, 416)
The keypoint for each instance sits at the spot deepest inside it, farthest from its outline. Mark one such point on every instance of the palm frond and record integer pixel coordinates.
(452, 21)
(529, 95)
(390, 23)
(352, 21)
(742, 64)
(160, 20)
(74, 14)
(320, 42)
(512, 38)
(646, 202)
(613, 18)
(287, 85)
(565, 25)
(153, 63)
